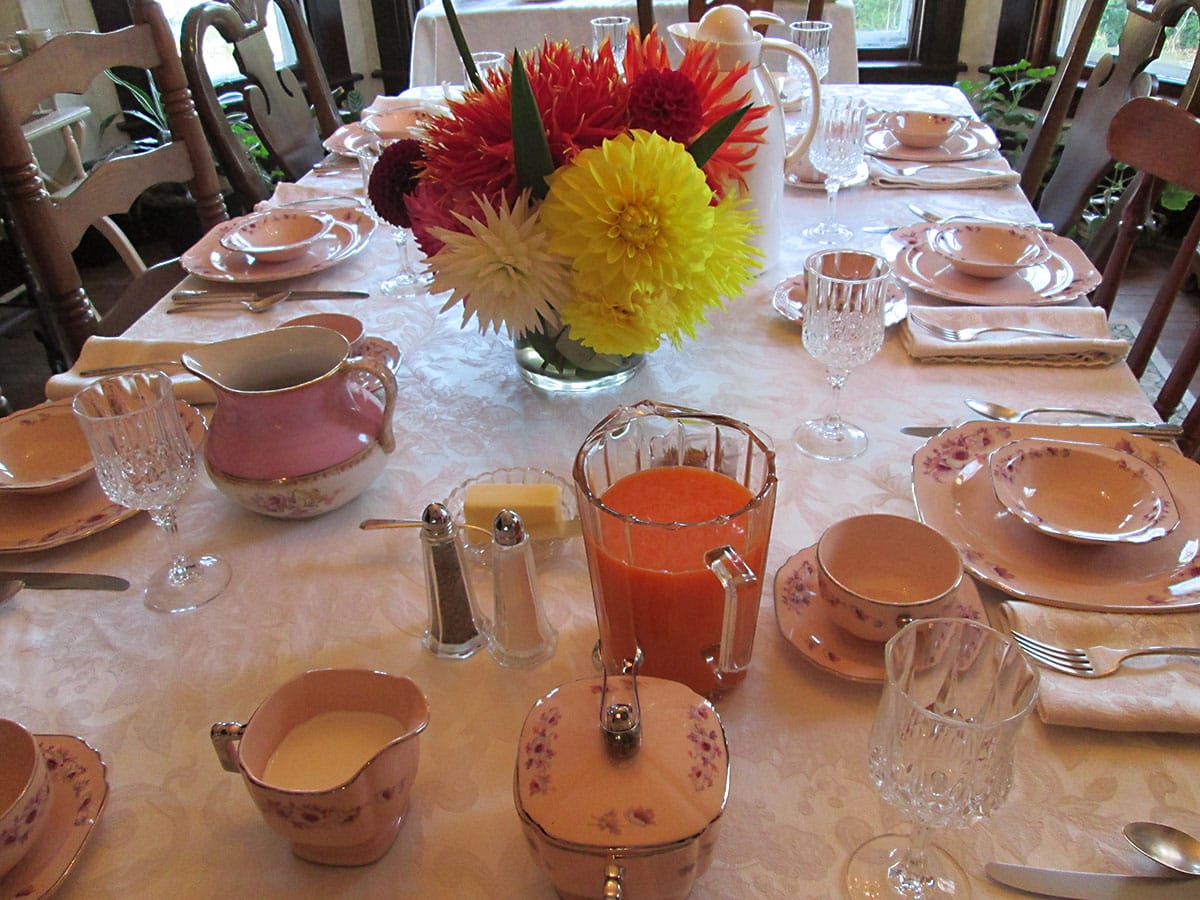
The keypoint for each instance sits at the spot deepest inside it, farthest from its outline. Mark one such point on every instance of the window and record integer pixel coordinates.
(883, 23)
(1178, 51)
(218, 55)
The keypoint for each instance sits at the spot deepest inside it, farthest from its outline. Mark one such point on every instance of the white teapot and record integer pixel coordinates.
(731, 29)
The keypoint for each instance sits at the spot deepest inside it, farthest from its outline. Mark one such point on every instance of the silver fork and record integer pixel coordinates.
(957, 335)
(255, 305)
(1090, 662)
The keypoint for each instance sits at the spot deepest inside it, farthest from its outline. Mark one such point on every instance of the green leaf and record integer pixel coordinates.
(531, 149)
(703, 147)
(460, 42)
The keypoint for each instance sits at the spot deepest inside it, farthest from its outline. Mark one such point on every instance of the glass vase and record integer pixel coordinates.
(551, 360)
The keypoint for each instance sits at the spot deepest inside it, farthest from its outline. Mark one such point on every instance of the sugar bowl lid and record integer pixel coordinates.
(580, 788)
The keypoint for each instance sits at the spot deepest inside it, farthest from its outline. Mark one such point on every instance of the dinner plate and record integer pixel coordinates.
(974, 141)
(1067, 274)
(78, 789)
(803, 617)
(953, 493)
(41, 521)
(788, 301)
(349, 139)
(352, 229)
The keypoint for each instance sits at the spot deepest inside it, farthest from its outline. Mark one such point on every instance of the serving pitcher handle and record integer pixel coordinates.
(735, 575)
(386, 439)
(226, 739)
(814, 112)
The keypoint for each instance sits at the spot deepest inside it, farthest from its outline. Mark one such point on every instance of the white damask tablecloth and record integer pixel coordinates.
(145, 688)
(524, 24)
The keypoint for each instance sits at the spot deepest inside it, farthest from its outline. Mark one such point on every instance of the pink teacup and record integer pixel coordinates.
(24, 793)
(347, 326)
(330, 759)
(878, 572)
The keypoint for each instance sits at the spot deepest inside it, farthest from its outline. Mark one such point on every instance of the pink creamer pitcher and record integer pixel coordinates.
(297, 430)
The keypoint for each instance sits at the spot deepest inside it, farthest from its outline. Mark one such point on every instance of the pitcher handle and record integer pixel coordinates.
(735, 575)
(386, 439)
(814, 113)
(226, 740)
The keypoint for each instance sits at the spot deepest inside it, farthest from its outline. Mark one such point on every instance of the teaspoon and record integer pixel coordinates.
(1008, 414)
(1169, 846)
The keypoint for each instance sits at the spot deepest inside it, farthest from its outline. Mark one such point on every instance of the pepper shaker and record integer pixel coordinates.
(454, 620)
(520, 637)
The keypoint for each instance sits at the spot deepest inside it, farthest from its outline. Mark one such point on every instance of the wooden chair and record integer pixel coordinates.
(1158, 140)
(274, 100)
(1112, 83)
(50, 225)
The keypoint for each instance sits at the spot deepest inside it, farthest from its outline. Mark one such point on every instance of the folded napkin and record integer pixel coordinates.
(101, 352)
(1153, 693)
(1013, 348)
(943, 176)
(338, 190)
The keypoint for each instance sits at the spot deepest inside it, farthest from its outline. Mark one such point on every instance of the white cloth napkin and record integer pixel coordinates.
(335, 189)
(943, 176)
(1154, 693)
(1012, 348)
(101, 352)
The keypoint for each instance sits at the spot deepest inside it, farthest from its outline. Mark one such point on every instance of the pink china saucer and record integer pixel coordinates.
(79, 792)
(803, 619)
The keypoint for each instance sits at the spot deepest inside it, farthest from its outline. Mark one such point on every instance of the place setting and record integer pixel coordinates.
(928, 137)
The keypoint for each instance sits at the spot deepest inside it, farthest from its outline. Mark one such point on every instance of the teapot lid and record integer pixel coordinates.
(575, 790)
(726, 24)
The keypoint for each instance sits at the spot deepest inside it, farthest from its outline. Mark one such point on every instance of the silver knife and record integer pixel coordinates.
(1093, 885)
(57, 581)
(1162, 431)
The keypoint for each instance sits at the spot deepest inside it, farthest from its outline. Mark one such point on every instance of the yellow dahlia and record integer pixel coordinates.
(501, 268)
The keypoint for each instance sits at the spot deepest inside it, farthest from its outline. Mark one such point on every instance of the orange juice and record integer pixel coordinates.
(653, 586)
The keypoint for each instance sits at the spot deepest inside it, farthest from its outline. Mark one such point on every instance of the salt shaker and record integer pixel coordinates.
(454, 621)
(520, 636)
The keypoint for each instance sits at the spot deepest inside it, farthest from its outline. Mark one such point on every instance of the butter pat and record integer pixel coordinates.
(534, 503)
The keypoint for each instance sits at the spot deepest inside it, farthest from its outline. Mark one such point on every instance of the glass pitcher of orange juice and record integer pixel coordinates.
(676, 507)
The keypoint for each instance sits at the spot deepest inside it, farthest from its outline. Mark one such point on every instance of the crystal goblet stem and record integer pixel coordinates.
(145, 460)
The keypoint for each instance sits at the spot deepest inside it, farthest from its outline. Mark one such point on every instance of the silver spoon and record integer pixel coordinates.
(1169, 846)
(10, 589)
(1003, 413)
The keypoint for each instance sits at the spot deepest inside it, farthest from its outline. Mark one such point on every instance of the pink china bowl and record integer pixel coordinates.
(277, 235)
(396, 123)
(25, 787)
(349, 327)
(923, 129)
(42, 450)
(988, 249)
(1083, 493)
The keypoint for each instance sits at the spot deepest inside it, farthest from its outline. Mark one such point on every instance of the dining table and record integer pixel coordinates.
(143, 689)
(524, 24)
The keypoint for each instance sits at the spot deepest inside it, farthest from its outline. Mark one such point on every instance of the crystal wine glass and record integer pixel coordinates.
(412, 276)
(846, 291)
(811, 36)
(837, 151)
(614, 29)
(941, 750)
(145, 460)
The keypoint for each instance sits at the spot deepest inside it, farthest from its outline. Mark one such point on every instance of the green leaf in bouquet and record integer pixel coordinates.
(531, 149)
(460, 41)
(703, 147)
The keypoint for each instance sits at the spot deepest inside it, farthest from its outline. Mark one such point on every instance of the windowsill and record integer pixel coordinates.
(908, 72)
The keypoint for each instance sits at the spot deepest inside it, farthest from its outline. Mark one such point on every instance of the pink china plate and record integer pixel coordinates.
(77, 775)
(953, 492)
(42, 521)
(42, 450)
(974, 141)
(1067, 274)
(351, 231)
(803, 618)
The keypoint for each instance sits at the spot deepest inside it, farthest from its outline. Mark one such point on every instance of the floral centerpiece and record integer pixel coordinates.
(591, 212)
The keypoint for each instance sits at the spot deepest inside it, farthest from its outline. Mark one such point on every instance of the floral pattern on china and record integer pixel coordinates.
(590, 212)
(953, 492)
